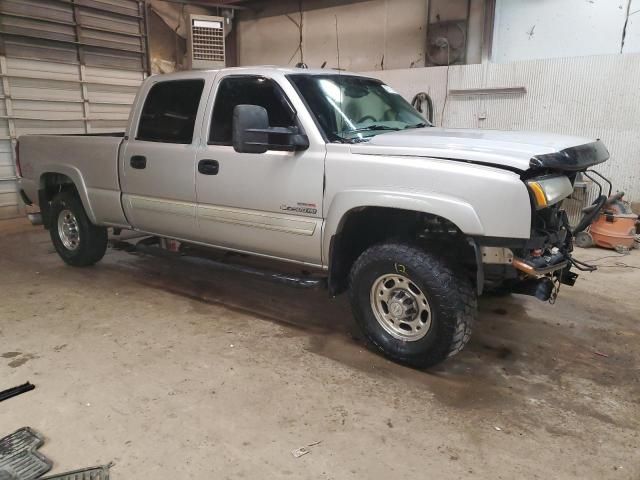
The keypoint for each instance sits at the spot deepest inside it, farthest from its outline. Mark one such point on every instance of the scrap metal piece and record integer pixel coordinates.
(91, 473)
(12, 392)
(298, 452)
(496, 255)
(19, 457)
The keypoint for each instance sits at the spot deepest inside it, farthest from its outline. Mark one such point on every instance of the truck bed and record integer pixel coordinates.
(89, 160)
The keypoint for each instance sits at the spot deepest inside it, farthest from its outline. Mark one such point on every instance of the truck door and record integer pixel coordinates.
(157, 162)
(269, 203)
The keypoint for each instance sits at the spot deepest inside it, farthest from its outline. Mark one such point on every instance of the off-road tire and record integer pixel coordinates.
(93, 240)
(451, 298)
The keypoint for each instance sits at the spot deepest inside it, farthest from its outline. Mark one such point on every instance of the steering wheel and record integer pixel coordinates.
(366, 117)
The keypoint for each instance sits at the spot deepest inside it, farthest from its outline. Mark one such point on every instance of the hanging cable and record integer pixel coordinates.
(423, 103)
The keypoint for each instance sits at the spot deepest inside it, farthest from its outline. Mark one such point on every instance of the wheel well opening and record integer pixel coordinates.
(364, 227)
(51, 184)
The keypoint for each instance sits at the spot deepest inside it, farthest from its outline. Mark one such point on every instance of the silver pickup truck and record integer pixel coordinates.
(331, 171)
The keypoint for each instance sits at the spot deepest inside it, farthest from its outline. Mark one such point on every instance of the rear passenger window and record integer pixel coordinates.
(248, 91)
(169, 112)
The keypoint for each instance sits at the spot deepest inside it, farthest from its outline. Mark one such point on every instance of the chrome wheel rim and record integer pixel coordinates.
(68, 230)
(400, 307)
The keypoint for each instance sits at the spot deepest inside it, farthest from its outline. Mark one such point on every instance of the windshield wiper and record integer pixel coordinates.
(369, 128)
(417, 125)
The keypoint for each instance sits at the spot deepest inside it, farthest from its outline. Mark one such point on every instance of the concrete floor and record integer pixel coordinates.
(175, 371)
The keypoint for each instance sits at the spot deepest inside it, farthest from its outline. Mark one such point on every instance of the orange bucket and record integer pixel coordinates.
(611, 230)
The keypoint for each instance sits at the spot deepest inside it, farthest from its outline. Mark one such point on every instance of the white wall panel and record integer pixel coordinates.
(43, 127)
(525, 29)
(632, 38)
(54, 90)
(51, 111)
(46, 9)
(106, 126)
(6, 160)
(116, 94)
(114, 23)
(20, 67)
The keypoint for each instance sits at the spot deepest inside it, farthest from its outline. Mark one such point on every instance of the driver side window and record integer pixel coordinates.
(248, 90)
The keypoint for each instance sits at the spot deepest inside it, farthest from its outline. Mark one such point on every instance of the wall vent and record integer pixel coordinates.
(206, 42)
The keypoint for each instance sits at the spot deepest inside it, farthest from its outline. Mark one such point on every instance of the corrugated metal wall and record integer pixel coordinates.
(67, 66)
(597, 97)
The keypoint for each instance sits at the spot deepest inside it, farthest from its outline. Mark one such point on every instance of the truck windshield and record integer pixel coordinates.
(353, 109)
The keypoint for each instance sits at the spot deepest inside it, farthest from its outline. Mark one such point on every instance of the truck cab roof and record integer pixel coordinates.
(269, 70)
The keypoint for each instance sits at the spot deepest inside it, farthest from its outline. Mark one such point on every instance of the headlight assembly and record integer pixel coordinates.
(549, 190)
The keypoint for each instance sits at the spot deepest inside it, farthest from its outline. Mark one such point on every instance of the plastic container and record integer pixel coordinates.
(614, 230)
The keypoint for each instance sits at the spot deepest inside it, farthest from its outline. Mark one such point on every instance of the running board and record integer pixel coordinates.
(149, 246)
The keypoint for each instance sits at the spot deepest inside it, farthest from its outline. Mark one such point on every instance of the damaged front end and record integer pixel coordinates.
(537, 266)
(544, 262)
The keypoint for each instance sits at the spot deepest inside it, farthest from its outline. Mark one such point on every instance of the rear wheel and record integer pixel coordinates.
(411, 305)
(78, 242)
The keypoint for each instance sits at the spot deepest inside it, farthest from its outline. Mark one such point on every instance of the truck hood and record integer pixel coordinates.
(506, 149)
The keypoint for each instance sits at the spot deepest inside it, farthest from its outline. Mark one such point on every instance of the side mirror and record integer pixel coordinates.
(252, 133)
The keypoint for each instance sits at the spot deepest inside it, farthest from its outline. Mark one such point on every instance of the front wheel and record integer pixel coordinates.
(411, 304)
(78, 242)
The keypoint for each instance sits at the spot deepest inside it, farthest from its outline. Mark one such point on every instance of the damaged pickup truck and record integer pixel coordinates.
(335, 173)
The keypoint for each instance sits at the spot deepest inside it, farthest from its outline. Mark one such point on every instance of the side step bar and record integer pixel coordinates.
(146, 246)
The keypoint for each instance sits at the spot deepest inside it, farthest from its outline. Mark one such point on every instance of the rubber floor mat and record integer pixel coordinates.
(19, 458)
(4, 475)
(93, 473)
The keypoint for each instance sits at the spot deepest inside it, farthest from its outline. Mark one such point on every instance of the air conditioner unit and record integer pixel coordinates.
(206, 42)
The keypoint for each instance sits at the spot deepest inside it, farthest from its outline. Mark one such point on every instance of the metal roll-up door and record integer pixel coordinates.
(69, 67)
